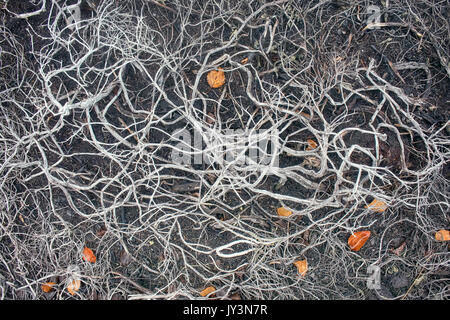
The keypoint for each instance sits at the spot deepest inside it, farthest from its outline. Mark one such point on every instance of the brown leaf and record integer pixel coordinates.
(311, 162)
(399, 250)
(125, 258)
(216, 78)
(74, 286)
(442, 235)
(100, 233)
(207, 291)
(235, 296)
(48, 286)
(377, 205)
(311, 145)
(302, 267)
(283, 212)
(117, 296)
(358, 239)
(210, 118)
(88, 255)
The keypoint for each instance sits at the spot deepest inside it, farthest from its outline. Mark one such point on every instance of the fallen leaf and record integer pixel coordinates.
(399, 250)
(244, 61)
(74, 286)
(302, 267)
(216, 78)
(210, 118)
(357, 240)
(312, 162)
(125, 258)
(207, 291)
(311, 145)
(88, 255)
(377, 205)
(117, 296)
(283, 212)
(100, 233)
(235, 296)
(442, 235)
(48, 286)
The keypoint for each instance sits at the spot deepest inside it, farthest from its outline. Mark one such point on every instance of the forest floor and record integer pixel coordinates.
(100, 99)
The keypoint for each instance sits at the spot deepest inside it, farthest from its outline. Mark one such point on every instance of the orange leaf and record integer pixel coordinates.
(74, 286)
(302, 266)
(88, 255)
(207, 291)
(216, 78)
(311, 144)
(284, 212)
(377, 205)
(244, 61)
(357, 240)
(442, 235)
(48, 286)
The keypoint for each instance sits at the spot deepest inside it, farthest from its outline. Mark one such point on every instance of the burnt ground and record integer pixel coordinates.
(88, 124)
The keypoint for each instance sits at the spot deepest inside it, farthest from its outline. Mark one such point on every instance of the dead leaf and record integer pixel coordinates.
(311, 145)
(207, 291)
(235, 296)
(244, 61)
(399, 250)
(48, 286)
(117, 296)
(302, 267)
(74, 286)
(283, 212)
(210, 118)
(358, 239)
(100, 233)
(442, 235)
(88, 255)
(216, 78)
(125, 258)
(312, 162)
(377, 205)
